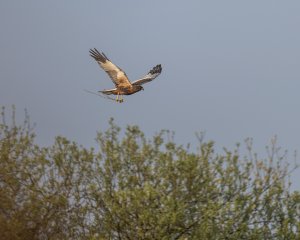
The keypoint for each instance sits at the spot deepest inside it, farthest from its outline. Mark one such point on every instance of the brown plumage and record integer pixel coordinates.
(122, 84)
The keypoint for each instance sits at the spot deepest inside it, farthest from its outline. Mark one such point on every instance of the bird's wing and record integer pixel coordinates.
(117, 75)
(153, 73)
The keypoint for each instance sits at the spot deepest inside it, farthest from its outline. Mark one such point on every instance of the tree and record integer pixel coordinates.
(139, 188)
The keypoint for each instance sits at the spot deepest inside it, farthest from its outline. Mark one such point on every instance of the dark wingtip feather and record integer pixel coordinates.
(94, 53)
(105, 56)
(156, 69)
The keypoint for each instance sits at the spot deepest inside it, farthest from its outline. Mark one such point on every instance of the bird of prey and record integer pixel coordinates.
(122, 84)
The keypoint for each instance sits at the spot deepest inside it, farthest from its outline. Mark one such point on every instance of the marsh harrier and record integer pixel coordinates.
(122, 84)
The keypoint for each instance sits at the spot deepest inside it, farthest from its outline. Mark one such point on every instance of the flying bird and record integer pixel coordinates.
(122, 84)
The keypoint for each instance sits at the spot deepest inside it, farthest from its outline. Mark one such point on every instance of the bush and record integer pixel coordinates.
(139, 188)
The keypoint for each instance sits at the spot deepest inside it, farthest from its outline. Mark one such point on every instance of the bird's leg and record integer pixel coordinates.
(121, 98)
(117, 99)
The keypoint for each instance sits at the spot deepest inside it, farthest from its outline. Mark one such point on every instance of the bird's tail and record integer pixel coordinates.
(98, 94)
(108, 91)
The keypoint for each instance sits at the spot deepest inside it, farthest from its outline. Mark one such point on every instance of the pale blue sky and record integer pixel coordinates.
(230, 68)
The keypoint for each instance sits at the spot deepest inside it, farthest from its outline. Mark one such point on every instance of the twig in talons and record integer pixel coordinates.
(100, 95)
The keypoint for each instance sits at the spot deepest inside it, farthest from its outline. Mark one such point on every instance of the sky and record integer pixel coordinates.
(230, 68)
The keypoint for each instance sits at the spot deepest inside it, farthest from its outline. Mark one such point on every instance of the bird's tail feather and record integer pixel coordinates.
(108, 92)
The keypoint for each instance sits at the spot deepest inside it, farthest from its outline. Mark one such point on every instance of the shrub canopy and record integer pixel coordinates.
(134, 187)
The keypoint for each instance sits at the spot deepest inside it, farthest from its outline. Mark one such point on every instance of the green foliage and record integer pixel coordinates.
(139, 188)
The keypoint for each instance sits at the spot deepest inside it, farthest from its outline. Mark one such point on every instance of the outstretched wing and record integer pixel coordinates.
(117, 75)
(153, 73)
